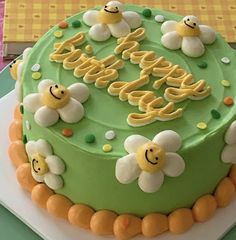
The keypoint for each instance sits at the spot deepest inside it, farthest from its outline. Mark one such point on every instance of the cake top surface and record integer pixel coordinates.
(104, 112)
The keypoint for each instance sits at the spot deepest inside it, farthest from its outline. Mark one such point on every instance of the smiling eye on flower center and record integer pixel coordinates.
(39, 164)
(109, 15)
(188, 28)
(56, 96)
(150, 157)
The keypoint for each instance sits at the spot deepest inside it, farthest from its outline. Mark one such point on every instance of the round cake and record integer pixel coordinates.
(129, 110)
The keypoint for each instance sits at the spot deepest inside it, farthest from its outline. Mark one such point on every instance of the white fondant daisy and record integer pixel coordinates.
(16, 72)
(188, 35)
(150, 160)
(111, 20)
(54, 101)
(45, 167)
(229, 152)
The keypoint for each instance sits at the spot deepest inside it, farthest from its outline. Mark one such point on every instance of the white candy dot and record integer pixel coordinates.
(109, 135)
(225, 60)
(36, 67)
(27, 124)
(160, 18)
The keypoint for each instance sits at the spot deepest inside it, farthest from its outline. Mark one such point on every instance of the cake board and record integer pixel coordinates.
(18, 201)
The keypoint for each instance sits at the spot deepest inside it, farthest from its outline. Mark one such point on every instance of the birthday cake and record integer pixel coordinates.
(128, 121)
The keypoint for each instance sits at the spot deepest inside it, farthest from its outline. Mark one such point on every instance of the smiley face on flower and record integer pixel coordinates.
(54, 101)
(188, 34)
(150, 160)
(45, 167)
(111, 20)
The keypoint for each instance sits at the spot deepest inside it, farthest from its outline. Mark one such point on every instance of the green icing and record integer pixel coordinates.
(90, 173)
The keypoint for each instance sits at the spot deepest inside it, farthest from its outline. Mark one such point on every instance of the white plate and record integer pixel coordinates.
(15, 199)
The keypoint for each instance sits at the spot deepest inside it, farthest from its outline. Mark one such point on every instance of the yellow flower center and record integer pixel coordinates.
(187, 28)
(109, 15)
(150, 157)
(56, 96)
(39, 164)
(13, 69)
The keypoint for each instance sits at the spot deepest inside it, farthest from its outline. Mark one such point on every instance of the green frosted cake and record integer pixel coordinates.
(130, 111)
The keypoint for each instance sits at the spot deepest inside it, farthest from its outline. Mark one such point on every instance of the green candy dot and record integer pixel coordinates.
(147, 12)
(24, 139)
(90, 138)
(215, 114)
(202, 65)
(22, 109)
(76, 24)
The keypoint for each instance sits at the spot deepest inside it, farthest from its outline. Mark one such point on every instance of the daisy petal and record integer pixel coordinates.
(55, 164)
(79, 92)
(230, 135)
(150, 182)
(192, 46)
(127, 169)
(18, 90)
(207, 35)
(72, 112)
(26, 54)
(168, 26)
(171, 40)
(116, 4)
(32, 102)
(53, 181)
(132, 18)
(46, 116)
(30, 148)
(99, 32)
(169, 140)
(19, 71)
(133, 142)
(120, 29)
(90, 17)
(43, 148)
(44, 84)
(174, 165)
(229, 154)
(37, 177)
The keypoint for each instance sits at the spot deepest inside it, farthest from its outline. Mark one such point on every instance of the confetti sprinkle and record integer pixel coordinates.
(159, 18)
(225, 83)
(36, 67)
(63, 25)
(225, 60)
(109, 135)
(24, 139)
(76, 24)
(27, 124)
(21, 109)
(202, 125)
(202, 65)
(90, 138)
(58, 34)
(107, 148)
(215, 114)
(228, 101)
(89, 49)
(67, 132)
(147, 12)
(36, 75)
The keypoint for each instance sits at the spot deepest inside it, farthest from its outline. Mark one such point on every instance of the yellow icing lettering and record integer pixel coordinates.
(130, 43)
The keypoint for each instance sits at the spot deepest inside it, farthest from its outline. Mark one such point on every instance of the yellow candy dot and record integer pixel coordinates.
(89, 49)
(225, 83)
(36, 75)
(58, 34)
(107, 148)
(202, 125)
